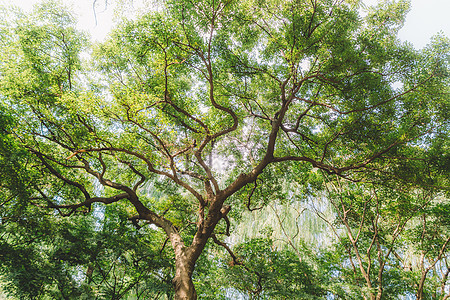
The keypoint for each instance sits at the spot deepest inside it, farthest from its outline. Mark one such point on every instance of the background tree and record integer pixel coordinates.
(376, 256)
(213, 100)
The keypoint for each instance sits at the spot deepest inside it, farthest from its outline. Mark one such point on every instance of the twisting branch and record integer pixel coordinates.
(332, 108)
(88, 202)
(249, 199)
(150, 167)
(142, 176)
(238, 262)
(59, 175)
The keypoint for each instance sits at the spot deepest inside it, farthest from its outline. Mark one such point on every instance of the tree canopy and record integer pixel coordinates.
(126, 164)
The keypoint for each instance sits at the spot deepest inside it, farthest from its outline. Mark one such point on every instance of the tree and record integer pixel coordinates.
(382, 234)
(208, 102)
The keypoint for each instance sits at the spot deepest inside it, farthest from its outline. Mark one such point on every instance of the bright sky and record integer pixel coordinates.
(426, 18)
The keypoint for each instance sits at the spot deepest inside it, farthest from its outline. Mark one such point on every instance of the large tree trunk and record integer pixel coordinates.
(186, 257)
(182, 282)
(185, 260)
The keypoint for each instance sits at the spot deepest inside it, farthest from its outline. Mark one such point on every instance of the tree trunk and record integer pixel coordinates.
(182, 282)
(184, 267)
(186, 257)
(419, 294)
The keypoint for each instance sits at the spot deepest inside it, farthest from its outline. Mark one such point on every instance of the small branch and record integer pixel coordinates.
(250, 197)
(75, 153)
(135, 221)
(236, 261)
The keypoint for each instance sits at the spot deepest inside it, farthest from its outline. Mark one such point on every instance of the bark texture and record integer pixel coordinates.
(182, 282)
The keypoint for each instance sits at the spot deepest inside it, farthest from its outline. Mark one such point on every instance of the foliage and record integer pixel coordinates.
(46, 257)
(263, 272)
